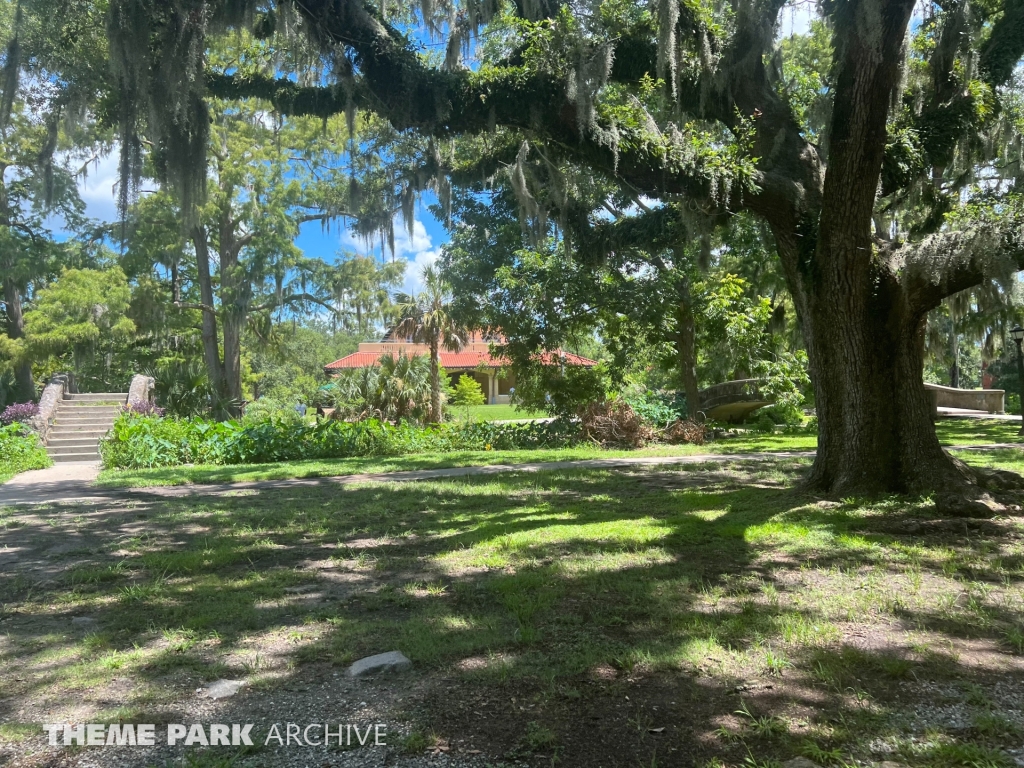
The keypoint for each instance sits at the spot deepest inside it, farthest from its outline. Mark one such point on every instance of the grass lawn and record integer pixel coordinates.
(494, 413)
(951, 432)
(371, 465)
(23, 459)
(704, 615)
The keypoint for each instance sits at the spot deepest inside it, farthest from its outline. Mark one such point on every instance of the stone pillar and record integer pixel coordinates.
(142, 390)
(491, 399)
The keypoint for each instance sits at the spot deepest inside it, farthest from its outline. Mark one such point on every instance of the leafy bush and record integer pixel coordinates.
(658, 408)
(270, 408)
(144, 409)
(397, 388)
(468, 392)
(18, 412)
(20, 450)
(138, 441)
(144, 441)
(787, 413)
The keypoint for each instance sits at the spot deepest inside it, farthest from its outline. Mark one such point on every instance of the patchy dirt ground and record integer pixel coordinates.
(663, 616)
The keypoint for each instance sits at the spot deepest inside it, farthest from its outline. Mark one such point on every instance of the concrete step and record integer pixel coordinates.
(59, 450)
(89, 424)
(84, 413)
(82, 430)
(85, 456)
(97, 397)
(87, 443)
(88, 407)
(71, 421)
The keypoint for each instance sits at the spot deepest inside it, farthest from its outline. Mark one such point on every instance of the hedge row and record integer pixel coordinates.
(139, 441)
(20, 450)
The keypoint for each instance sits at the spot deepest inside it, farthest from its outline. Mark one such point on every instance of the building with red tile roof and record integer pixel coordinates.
(474, 360)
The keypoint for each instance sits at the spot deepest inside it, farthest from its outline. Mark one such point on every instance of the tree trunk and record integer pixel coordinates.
(211, 345)
(686, 349)
(875, 428)
(234, 302)
(954, 369)
(233, 323)
(25, 388)
(435, 382)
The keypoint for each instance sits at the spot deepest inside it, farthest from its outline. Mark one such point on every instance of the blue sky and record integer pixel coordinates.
(98, 191)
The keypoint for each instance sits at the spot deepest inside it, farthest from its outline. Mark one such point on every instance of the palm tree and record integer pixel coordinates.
(426, 317)
(396, 388)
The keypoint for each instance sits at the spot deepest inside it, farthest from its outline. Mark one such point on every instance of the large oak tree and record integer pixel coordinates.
(720, 130)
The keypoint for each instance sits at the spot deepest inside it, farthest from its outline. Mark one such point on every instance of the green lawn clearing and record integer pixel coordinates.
(371, 465)
(494, 413)
(951, 432)
(630, 617)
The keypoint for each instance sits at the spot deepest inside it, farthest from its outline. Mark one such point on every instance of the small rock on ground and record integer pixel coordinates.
(222, 689)
(800, 762)
(392, 661)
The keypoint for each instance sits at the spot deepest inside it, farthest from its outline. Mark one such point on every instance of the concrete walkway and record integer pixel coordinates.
(64, 481)
(50, 485)
(964, 413)
(72, 482)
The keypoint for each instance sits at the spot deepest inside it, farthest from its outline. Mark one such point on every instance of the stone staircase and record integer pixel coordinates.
(81, 420)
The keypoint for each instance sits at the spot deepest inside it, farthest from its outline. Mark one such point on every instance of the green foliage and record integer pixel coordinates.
(658, 408)
(271, 409)
(20, 450)
(563, 390)
(138, 442)
(183, 386)
(78, 323)
(397, 388)
(468, 392)
(781, 413)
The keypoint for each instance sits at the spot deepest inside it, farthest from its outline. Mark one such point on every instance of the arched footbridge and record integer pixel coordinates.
(732, 401)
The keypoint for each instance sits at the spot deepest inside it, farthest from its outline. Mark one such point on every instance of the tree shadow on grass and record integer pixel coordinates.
(542, 598)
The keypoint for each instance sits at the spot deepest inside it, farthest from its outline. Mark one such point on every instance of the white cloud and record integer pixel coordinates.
(418, 249)
(98, 188)
(414, 271)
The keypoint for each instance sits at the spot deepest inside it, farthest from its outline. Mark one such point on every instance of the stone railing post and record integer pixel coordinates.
(60, 385)
(142, 390)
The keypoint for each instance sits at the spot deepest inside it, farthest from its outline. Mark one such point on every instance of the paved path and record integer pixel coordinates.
(64, 481)
(48, 485)
(73, 481)
(965, 413)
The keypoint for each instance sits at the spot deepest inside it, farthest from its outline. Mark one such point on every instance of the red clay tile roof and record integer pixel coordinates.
(449, 360)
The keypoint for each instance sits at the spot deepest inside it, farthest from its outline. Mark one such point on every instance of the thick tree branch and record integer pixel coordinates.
(292, 299)
(1005, 45)
(949, 262)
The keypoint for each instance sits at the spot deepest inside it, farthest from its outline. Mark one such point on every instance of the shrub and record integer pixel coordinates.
(144, 409)
(764, 423)
(139, 441)
(18, 412)
(786, 413)
(20, 450)
(397, 388)
(468, 392)
(144, 441)
(269, 408)
(658, 408)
